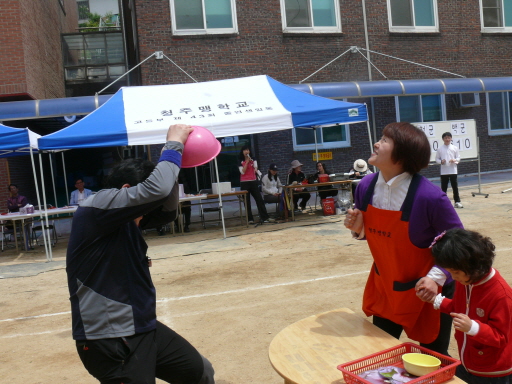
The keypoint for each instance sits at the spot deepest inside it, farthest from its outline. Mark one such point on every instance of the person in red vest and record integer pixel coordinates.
(399, 213)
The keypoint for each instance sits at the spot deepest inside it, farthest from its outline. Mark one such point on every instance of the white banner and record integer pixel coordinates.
(225, 107)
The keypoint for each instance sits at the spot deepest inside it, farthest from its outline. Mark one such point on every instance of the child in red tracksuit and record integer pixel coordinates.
(481, 307)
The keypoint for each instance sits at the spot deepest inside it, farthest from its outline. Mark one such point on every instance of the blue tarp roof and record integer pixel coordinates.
(16, 141)
(142, 115)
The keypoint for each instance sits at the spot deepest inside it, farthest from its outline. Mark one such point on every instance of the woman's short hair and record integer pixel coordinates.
(129, 171)
(411, 146)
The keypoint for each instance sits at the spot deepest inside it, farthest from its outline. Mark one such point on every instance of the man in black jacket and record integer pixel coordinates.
(113, 299)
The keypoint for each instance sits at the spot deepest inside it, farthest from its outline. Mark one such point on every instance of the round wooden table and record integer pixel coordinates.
(309, 351)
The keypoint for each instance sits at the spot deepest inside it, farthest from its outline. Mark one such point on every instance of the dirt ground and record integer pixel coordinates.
(229, 297)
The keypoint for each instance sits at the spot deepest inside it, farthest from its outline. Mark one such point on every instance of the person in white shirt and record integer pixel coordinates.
(271, 185)
(448, 156)
(80, 193)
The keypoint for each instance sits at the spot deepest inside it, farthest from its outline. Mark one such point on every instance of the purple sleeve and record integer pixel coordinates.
(431, 214)
(361, 189)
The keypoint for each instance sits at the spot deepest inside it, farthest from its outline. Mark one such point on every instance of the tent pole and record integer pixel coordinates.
(479, 182)
(39, 204)
(45, 216)
(316, 145)
(50, 155)
(197, 180)
(65, 178)
(370, 138)
(220, 198)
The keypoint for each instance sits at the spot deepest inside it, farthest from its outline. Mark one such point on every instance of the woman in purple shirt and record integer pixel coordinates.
(399, 213)
(16, 201)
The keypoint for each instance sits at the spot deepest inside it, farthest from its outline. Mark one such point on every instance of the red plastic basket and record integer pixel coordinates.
(393, 356)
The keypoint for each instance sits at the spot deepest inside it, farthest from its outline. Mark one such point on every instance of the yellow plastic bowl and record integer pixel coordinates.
(419, 364)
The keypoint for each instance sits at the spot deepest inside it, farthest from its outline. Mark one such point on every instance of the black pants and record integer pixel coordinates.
(324, 192)
(305, 196)
(138, 359)
(186, 210)
(271, 198)
(455, 186)
(443, 339)
(254, 191)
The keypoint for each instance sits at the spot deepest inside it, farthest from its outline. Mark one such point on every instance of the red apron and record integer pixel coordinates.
(398, 265)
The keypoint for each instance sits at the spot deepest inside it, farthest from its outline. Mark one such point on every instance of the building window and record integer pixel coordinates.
(413, 16)
(93, 57)
(83, 10)
(311, 16)
(336, 136)
(496, 15)
(203, 17)
(498, 113)
(418, 109)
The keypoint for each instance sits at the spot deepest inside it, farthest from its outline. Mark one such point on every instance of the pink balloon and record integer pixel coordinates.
(200, 148)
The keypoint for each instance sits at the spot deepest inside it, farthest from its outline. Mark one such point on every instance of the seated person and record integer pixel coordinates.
(271, 185)
(16, 201)
(296, 176)
(359, 171)
(80, 193)
(324, 191)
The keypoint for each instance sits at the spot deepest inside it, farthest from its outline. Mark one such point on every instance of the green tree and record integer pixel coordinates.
(93, 20)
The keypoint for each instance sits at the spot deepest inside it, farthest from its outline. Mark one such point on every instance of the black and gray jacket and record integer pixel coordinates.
(111, 291)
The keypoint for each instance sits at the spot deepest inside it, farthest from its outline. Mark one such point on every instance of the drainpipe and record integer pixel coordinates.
(370, 78)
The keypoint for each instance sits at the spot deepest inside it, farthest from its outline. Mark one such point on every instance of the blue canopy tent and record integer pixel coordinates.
(22, 141)
(249, 105)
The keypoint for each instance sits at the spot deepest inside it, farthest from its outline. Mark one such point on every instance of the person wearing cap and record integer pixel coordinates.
(296, 176)
(271, 185)
(358, 171)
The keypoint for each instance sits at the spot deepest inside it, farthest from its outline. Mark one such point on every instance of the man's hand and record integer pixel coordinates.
(461, 322)
(426, 289)
(179, 132)
(443, 161)
(354, 220)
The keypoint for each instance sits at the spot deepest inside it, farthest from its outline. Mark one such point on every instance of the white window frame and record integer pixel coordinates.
(493, 29)
(330, 145)
(412, 28)
(443, 107)
(335, 29)
(498, 132)
(204, 31)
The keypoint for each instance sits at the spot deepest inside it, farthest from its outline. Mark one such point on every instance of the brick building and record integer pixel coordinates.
(32, 68)
(292, 42)
(289, 43)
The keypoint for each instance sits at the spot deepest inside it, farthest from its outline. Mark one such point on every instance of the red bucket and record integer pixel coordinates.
(328, 206)
(323, 178)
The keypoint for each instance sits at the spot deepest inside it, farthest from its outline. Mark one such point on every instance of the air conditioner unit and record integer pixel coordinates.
(466, 100)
